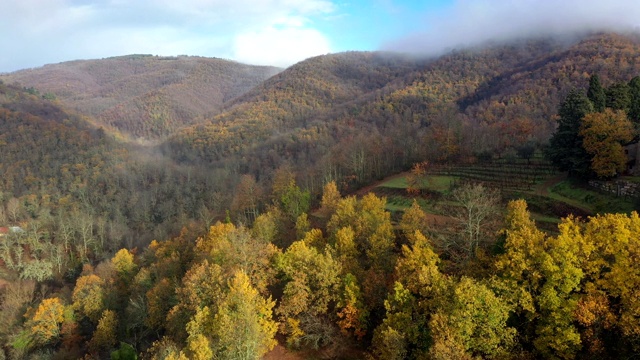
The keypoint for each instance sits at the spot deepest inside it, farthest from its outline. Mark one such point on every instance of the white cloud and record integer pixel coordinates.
(469, 22)
(279, 46)
(35, 32)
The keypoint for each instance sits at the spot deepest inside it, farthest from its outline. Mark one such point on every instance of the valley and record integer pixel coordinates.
(354, 205)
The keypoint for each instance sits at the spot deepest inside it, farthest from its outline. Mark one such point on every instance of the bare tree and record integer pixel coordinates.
(477, 207)
(14, 210)
(247, 198)
(3, 215)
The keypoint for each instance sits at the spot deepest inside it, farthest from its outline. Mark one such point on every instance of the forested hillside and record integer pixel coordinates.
(350, 287)
(465, 104)
(237, 232)
(144, 96)
(62, 173)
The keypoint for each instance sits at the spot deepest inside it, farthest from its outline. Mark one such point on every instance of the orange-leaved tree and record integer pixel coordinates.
(603, 135)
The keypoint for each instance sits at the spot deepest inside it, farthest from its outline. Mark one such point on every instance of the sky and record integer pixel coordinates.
(282, 32)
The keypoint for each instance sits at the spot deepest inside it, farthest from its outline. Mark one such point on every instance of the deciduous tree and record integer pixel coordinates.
(88, 296)
(478, 207)
(105, 336)
(330, 198)
(44, 326)
(603, 135)
(312, 285)
(240, 328)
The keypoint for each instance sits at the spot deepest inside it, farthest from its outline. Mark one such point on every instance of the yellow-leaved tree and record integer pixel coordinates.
(610, 308)
(312, 284)
(105, 337)
(88, 296)
(603, 135)
(44, 326)
(236, 249)
(404, 330)
(545, 274)
(241, 328)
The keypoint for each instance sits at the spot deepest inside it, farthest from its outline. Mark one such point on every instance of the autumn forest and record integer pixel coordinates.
(359, 205)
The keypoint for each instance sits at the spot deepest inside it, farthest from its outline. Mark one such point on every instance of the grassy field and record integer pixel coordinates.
(549, 195)
(437, 183)
(596, 201)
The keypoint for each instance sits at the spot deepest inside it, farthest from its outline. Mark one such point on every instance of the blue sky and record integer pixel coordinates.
(281, 32)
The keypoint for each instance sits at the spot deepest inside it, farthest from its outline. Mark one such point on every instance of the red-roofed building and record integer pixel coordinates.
(4, 231)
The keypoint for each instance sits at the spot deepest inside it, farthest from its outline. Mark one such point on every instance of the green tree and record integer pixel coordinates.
(472, 319)
(233, 248)
(618, 96)
(634, 96)
(294, 201)
(544, 275)
(414, 218)
(312, 287)
(353, 314)
(346, 250)
(565, 148)
(401, 329)
(560, 266)
(125, 267)
(267, 226)
(125, 352)
(244, 325)
(202, 285)
(596, 93)
(415, 296)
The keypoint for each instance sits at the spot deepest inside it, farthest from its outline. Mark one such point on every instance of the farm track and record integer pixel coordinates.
(371, 188)
(543, 188)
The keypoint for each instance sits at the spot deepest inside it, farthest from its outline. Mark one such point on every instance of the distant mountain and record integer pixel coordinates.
(144, 96)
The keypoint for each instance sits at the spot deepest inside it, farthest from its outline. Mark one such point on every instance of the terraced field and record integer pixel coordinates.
(549, 194)
(505, 175)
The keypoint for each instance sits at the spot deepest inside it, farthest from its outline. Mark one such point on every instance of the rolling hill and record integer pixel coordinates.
(144, 96)
(350, 117)
(328, 111)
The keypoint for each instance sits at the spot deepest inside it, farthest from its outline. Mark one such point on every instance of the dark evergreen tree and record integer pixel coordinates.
(565, 146)
(596, 94)
(618, 96)
(634, 97)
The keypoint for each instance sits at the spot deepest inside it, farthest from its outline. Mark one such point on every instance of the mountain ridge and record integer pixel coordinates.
(463, 104)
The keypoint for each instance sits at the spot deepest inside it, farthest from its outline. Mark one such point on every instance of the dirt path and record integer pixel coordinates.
(543, 189)
(369, 188)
